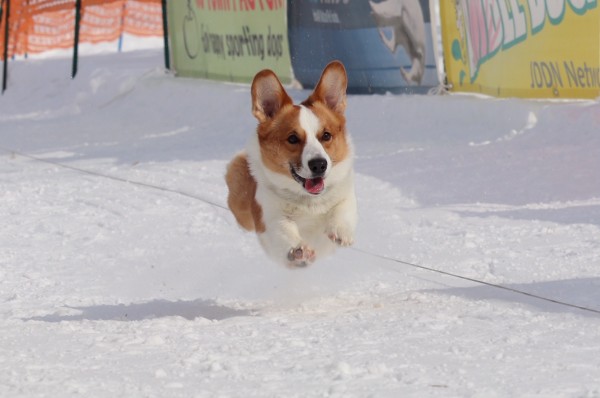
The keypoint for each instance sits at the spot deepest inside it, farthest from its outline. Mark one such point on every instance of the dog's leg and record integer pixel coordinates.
(242, 188)
(283, 243)
(300, 256)
(342, 222)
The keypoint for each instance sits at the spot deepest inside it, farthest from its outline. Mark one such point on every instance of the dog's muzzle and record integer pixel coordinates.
(316, 184)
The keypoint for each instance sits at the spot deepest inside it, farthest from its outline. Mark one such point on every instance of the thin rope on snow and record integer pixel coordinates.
(359, 250)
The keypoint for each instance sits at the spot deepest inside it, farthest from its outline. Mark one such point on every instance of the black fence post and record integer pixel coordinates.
(166, 34)
(6, 32)
(76, 42)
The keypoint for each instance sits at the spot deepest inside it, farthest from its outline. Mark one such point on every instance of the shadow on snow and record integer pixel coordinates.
(151, 310)
(583, 292)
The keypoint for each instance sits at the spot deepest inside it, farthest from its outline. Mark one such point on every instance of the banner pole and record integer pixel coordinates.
(6, 32)
(121, 27)
(166, 34)
(76, 41)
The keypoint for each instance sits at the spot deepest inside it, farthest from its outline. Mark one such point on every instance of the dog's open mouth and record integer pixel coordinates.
(313, 186)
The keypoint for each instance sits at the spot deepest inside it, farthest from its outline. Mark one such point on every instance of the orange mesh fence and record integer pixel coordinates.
(42, 25)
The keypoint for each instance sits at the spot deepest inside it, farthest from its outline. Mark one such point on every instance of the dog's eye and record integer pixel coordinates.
(293, 139)
(326, 136)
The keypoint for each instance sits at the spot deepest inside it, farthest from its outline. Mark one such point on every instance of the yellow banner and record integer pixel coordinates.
(522, 48)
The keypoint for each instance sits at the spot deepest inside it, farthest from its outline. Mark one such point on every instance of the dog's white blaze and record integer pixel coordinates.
(312, 148)
(309, 121)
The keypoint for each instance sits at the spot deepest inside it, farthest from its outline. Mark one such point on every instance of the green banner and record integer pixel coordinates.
(229, 39)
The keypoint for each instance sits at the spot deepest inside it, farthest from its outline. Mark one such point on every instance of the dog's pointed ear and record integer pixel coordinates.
(331, 89)
(268, 95)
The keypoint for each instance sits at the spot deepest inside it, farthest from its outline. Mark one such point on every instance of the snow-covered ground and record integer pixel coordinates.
(111, 288)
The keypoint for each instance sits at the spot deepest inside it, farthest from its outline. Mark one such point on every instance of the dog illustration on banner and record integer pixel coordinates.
(294, 184)
(405, 17)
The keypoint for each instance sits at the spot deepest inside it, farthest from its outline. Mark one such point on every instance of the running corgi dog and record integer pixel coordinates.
(294, 183)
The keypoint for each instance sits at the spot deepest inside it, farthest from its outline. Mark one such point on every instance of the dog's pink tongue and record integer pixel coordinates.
(314, 185)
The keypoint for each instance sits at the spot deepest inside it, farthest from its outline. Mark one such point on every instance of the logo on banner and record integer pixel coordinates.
(489, 27)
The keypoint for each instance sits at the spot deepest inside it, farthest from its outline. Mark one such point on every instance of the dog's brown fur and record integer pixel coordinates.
(242, 189)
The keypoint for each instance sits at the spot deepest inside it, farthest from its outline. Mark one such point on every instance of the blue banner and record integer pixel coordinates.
(386, 45)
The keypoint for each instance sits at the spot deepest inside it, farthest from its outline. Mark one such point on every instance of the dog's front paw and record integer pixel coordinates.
(341, 238)
(300, 257)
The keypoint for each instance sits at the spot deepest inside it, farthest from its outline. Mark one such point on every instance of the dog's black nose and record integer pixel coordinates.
(318, 166)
